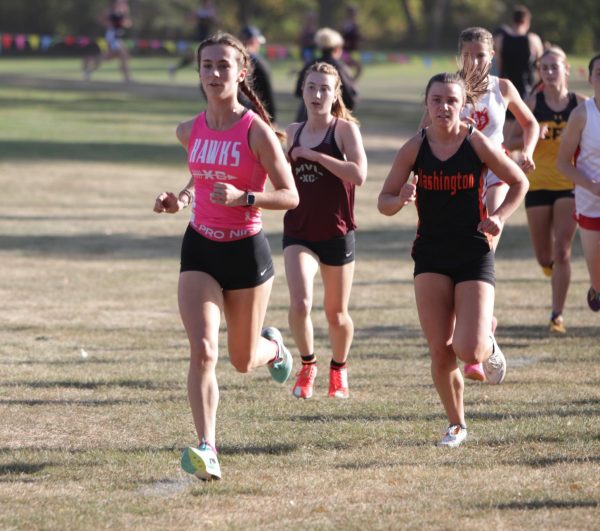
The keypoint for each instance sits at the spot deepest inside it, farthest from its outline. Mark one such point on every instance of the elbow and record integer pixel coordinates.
(294, 199)
(384, 208)
(361, 178)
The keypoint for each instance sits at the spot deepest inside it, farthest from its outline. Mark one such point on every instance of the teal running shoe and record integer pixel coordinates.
(281, 368)
(201, 462)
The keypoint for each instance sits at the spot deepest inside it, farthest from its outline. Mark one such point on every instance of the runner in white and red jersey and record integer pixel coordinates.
(226, 261)
(580, 142)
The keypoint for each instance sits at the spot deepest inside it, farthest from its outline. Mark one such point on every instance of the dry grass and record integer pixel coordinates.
(93, 442)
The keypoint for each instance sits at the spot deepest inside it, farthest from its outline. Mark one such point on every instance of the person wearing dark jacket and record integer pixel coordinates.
(331, 45)
(252, 38)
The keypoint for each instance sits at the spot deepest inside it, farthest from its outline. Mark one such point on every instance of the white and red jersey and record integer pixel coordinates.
(588, 161)
(224, 156)
(489, 113)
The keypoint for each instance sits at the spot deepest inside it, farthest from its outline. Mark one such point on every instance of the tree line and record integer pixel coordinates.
(385, 24)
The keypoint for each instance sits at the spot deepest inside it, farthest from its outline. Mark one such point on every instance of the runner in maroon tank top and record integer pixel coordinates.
(328, 161)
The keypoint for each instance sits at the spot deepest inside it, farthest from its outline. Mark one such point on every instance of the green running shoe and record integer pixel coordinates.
(201, 462)
(281, 368)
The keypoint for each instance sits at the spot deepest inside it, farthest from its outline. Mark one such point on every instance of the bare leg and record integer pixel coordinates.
(301, 266)
(435, 304)
(564, 230)
(337, 282)
(590, 241)
(245, 311)
(200, 304)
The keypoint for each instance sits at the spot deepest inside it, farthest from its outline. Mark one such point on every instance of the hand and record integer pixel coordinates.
(408, 192)
(301, 152)
(227, 195)
(492, 225)
(525, 162)
(167, 202)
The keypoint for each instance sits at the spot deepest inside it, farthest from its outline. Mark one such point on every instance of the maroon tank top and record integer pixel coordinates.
(326, 208)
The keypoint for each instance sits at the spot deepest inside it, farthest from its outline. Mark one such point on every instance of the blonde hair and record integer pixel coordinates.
(338, 108)
(476, 34)
(473, 85)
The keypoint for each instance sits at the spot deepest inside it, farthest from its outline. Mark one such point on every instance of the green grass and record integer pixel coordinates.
(93, 442)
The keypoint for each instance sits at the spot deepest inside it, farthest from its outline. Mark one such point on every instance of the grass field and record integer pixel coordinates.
(93, 357)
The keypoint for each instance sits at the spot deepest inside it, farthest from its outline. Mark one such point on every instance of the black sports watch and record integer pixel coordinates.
(250, 198)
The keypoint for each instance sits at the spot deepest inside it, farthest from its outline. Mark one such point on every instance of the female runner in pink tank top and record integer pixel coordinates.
(225, 258)
(328, 161)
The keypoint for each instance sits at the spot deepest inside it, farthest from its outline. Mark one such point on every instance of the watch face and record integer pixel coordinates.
(250, 198)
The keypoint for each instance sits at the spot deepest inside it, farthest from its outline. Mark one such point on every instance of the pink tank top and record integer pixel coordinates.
(224, 156)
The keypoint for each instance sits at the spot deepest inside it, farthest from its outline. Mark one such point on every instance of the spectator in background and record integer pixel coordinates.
(116, 19)
(330, 44)
(350, 32)
(206, 20)
(306, 39)
(517, 51)
(252, 38)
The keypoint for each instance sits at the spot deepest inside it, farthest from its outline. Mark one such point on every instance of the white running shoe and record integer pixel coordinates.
(495, 366)
(455, 435)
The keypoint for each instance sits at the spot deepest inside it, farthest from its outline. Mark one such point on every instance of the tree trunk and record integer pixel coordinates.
(434, 13)
(410, 22)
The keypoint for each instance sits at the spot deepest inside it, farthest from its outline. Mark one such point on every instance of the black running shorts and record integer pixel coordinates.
(335, 252)
(239, 264)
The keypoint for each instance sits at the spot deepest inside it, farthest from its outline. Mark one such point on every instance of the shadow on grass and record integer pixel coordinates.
(272, 449)
(85, 402)
(149, 385)
(543, 462)
(22, 468)
(37, 150)
(546, 504)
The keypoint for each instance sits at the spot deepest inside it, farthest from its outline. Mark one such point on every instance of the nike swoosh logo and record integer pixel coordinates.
(263, 272)
(349, 254)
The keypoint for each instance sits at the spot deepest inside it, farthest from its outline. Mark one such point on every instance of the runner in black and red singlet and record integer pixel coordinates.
(453, 252)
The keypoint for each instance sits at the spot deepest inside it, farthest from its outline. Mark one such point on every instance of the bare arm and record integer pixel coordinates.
(507, 170)
(513, 137)
(397, 190)
(354, 168)
(569, 142)
(269, 152)
(168, 202)
(525, 118)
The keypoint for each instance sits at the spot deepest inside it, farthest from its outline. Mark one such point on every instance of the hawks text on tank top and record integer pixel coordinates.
(546, 176)
(326, 208)
(588, 161)
(449, 204)
(224, 156)
(516, 62)
(489, 112)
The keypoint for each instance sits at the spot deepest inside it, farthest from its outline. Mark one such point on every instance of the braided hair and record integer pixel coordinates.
(244, 62)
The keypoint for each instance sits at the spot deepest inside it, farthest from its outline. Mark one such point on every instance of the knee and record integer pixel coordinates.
(562, 254)
(203, 356)
(441, 355)
(241, 361)
(337, 318)
(301, 307)
(472, 349)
